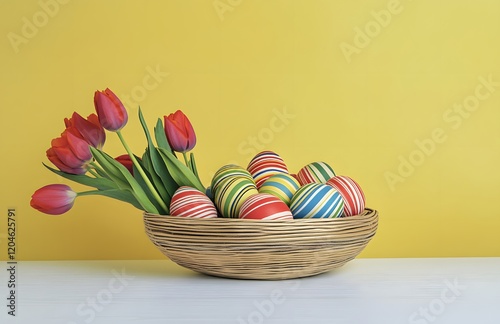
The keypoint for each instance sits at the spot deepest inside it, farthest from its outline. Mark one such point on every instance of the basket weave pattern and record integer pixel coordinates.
(246, 249)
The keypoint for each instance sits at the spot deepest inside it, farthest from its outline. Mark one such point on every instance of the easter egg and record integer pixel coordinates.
(264, 165)
(231, 193)
(317, 200)
(210, 193)
(230, 170)
(281, 185)
(190, 202)
(354, 198)
(315, 172)
(265, 206)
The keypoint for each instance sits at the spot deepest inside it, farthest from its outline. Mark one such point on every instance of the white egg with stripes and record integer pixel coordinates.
(190, 202)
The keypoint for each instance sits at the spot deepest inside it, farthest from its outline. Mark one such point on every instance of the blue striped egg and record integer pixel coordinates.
(315, 172)
(231, 193)
(317, 200)
(281, 185)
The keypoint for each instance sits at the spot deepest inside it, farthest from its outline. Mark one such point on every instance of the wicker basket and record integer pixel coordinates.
(259, 249)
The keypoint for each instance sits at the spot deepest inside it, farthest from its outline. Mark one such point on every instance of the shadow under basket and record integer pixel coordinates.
(260, 249)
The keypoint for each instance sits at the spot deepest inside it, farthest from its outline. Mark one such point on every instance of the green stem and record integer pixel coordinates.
(86, 193)
(95, 174)
(97, 167)
(141, 171)
(186, 159)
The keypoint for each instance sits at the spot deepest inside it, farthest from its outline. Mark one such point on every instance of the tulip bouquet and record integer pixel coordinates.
(148, 182)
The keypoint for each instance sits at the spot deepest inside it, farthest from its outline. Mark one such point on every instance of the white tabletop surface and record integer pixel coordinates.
(452, 290)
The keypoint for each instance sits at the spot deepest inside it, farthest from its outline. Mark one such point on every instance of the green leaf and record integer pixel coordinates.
(99, 183)
(161, 138)
(158, 186)
(124, 179)
(110, 168)
(159, 166)
(124, 195)
(192, 162)
(182, 175)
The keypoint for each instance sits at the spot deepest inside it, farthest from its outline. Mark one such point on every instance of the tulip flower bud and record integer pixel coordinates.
(88, 129)
(126, 161)
(70, 153)
(179, 131)
(110, 110)
(54, 199)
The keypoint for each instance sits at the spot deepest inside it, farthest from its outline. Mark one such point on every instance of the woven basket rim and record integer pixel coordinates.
(367, 213)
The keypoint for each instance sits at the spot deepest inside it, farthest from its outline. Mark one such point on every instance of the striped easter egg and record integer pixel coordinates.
(281, 185)
(265, 206)
(317, 200)
(354, 198)
(190, 202)
(315, 172)
(264, 165)
(231, 193)
(230, 170)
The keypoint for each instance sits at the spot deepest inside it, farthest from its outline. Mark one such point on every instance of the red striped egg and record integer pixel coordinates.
(264, 165)
(190, 202)
(354, 198)
(265, 206)
(315, 172)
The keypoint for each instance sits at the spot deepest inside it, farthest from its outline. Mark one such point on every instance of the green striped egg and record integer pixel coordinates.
(228, 171)
(317, 200)
(315, 172)
(281, 185)
(231, 193)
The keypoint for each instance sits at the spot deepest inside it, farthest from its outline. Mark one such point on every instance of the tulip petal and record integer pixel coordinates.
(53, 199)
(52, 156)
(110, 110)
(79, 147)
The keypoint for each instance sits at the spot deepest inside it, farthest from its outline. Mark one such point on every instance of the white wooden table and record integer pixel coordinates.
(454, 290)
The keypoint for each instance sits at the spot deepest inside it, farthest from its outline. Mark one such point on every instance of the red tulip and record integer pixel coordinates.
(110, 110)
(70, 153)
(88, 129)
(54, 199)
(180, 132)
(126, 161)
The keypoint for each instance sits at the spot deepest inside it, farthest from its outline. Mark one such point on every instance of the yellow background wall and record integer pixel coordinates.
(403, 96)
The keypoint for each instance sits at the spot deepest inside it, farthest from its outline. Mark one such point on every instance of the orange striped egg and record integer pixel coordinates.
(265, 206)
(190, 202)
